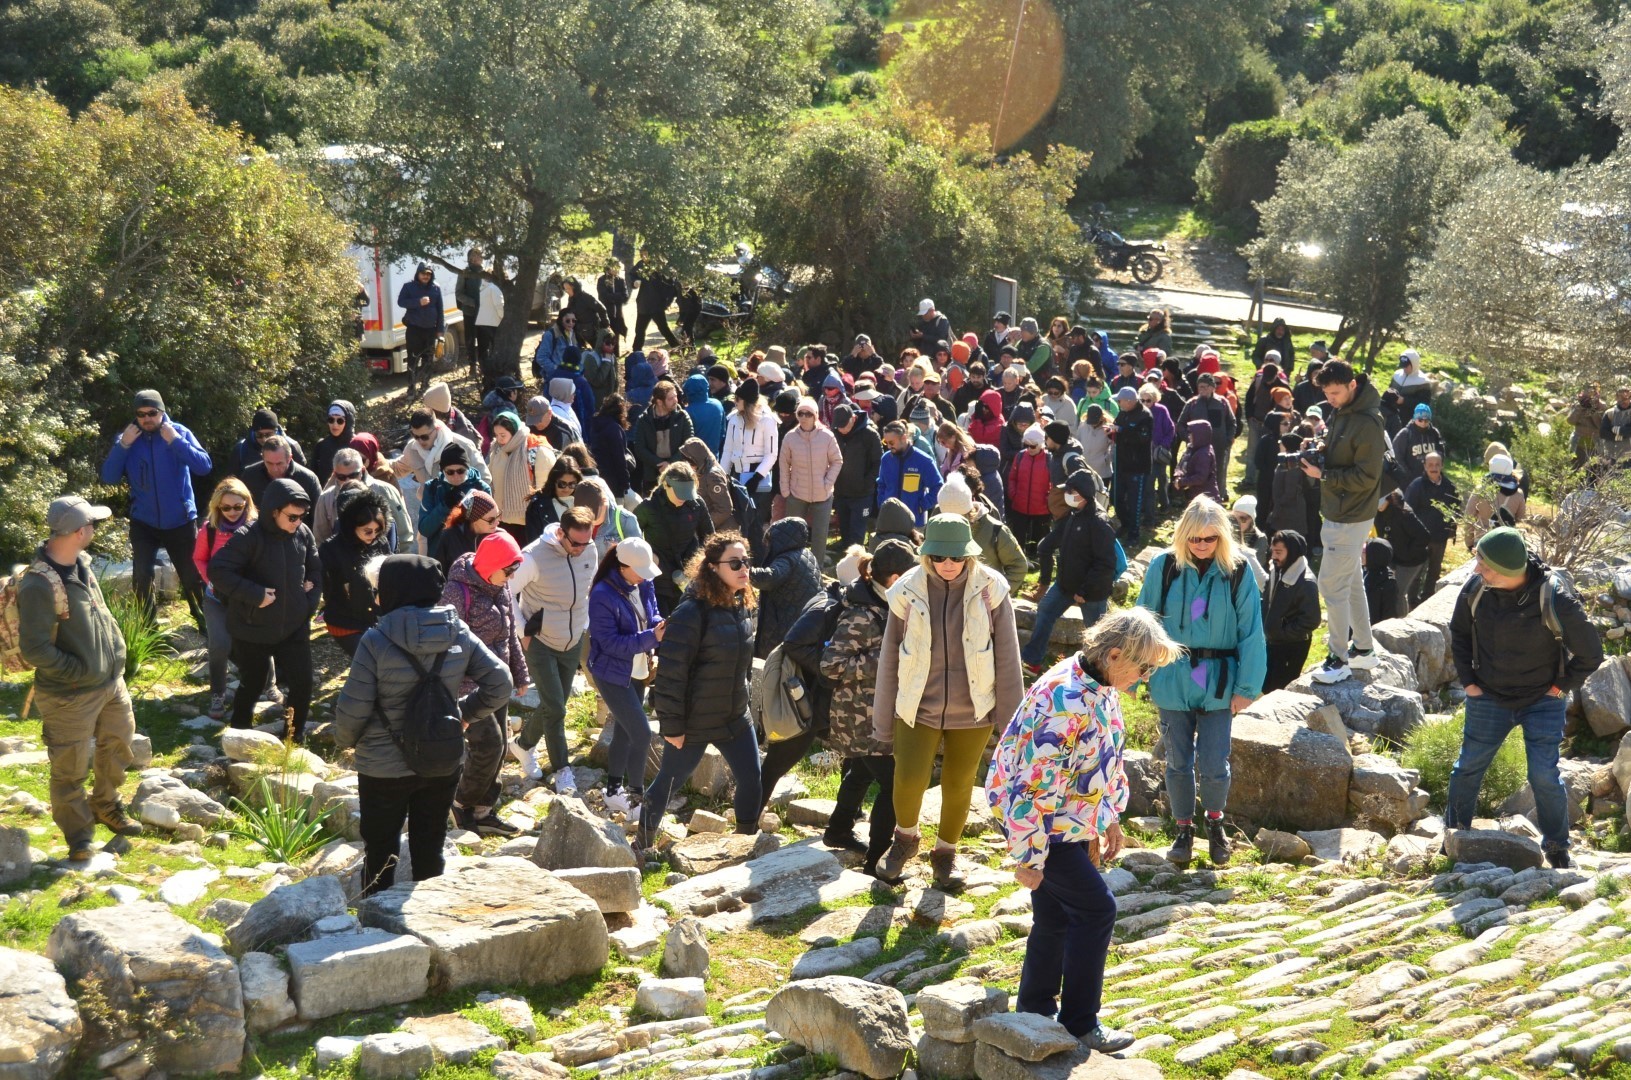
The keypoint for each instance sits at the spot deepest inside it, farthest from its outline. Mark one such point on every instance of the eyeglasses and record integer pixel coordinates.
(234, 508)
(566, 485)
(569, 322)
(370, 531)
(146, 414)
(509, 571)
(733, 564)
(455, 470)
(1146, 670)
(1204, 541)
(295, 516)
(336, 420)
(425, 438)
(940, 559)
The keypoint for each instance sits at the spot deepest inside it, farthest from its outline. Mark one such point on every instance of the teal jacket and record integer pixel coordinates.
(1200, 614)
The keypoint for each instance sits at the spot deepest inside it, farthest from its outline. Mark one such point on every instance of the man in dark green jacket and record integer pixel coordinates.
(70, 638)
(1350, 485)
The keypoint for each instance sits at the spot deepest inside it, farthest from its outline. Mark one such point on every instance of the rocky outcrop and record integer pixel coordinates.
(1606, 698)
(39, 1023)
(1425, 644)
(1287, 775)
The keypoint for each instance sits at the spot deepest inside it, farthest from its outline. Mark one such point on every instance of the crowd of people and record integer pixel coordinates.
(872, 523)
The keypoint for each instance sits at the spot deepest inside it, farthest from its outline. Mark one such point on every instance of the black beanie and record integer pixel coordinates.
(892, 557)
(265, 420)
(787, 401)
(748, 392)
(453, 454)
(1058, 431)
(409, 581)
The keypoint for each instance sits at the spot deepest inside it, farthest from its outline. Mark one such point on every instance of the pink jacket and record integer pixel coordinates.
(809, 462)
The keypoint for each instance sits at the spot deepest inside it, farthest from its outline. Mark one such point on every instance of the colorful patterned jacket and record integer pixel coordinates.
(1057, 773)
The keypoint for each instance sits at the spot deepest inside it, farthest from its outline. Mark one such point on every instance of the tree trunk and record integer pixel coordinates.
(512, 331)
(1344, 331)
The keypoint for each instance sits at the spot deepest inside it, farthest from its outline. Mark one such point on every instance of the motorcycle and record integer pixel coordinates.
(1136, 257)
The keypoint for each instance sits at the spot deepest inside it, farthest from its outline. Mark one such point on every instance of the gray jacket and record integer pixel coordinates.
(381, 675)
(552, 590)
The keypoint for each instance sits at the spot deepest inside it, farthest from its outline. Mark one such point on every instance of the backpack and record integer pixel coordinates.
(11, 645)
(1549, 585)
(431, 734)
(786, 711)
(1169, 574)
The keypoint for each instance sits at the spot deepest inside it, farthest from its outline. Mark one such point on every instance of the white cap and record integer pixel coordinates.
(1500, 465)
(925, 306)
(637, 555)
(1246, 504)
(770, 371)
(849, 567)
(955, 497)
(1034, 436)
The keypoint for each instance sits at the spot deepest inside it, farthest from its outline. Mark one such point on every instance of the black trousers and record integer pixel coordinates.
(386, 802)
(643, 319)
(293, 656)
(1286, 660)
(780, 757)
(421, 346)
(859, 774)
(483, 756)
(145, 542)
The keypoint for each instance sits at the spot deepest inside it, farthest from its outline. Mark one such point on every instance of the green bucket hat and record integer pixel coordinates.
(949, 534)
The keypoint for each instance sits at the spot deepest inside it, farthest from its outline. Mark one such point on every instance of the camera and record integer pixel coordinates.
(1313, 453)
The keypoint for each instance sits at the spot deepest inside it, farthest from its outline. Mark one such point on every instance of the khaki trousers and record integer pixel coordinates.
(82, 729)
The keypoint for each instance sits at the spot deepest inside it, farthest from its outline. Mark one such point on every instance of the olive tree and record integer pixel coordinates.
(1349, 225)
(514, 123)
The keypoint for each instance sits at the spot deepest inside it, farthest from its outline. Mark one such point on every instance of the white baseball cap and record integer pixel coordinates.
(925, 306)
(637, 555)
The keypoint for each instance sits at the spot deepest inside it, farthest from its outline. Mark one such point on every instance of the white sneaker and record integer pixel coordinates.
(1334, 670)
(618, 803)
(564, 782)
(1363, 660)
(528, 760)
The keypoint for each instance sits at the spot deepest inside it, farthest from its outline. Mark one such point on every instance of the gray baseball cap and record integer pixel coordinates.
(72, 513)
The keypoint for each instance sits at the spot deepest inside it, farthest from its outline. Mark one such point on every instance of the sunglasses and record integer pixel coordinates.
(576, 545)
(734, 564)
(146, 414)
(939, 559)
(1204, 540)
(509, 571)
(296, 516)
(455, 470)
(428, 437)
(338, 475)
(566, 485)
(370, 531)
(234, 508)
(336, 420)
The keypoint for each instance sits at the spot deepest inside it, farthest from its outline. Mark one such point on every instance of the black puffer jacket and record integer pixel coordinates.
(806, 639)
(1087, 547)
(1400, 526)
(863, 454)
(348, 595)
(674, 533)
(1512, 657)
(1291, 598)
(786, 581)
(704, 663)
(263, 556)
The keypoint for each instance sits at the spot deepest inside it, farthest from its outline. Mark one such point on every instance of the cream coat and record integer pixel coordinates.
(909, 601)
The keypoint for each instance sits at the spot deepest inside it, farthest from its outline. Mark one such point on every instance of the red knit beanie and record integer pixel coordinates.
(496, 551)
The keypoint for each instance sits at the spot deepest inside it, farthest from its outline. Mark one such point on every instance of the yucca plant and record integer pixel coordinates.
(148, 652)
(287, 825)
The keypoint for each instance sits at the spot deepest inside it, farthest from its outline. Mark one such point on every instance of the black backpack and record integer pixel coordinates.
(431, 733)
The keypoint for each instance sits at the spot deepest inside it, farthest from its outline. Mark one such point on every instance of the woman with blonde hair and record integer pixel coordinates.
(519, 462)
(1058, 787)
(1205, 593)
(955, 446)
(231, 508)
(947, 672)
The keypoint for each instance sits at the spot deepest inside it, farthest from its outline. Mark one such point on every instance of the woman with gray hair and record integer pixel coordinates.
(1057, 787)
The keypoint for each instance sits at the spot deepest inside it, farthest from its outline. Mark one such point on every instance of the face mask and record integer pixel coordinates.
(1073, 500)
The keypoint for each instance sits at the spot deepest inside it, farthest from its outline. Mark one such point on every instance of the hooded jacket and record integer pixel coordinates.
(83, 651)
(1087, 546)
(1401, 528)
(894, 522)
(1355, 444)
(322, 458)
(1134, 430)
(912, 477)
(713, 486)
(704, 664)
(488, 610)
(616, 637)
(989, 430)
(1381, 586)
(989, 461)
(786, 581)
(1029, 482)
(1097, 448)
(1198, 470)
(1215, 411)
(609, 444)
(1412, 445)
(246, 452)
(382, 680)
(348, 595)
(638, 380)
(809, 462)
(431, 316)
(644, 443)
(1291, 599)
(674, 533)
(1293, 491)
(999, 549)
(1201, 613)
(862, 451)
(1516, 659)
(707, 415)
(551, 590)
(263, 556)
(160, 475)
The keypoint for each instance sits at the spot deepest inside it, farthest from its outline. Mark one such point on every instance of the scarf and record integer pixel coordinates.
(512, 482)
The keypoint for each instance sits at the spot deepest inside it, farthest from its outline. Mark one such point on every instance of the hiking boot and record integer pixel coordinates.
(80, 854)
(120, 823)
(218, 706)
(840, 832)
(944, 863)
(1363, 659)
(892, 867)
(1334, 670)
(489, 824)
(464, 818)
(1182, 851)
(1557, 858)
(1218, 848)
(1103, 1040)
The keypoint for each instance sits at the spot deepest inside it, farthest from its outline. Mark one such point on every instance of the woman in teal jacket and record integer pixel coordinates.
(1206, 595)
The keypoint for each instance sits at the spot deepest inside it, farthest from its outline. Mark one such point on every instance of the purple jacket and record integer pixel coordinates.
(489, 613)
(1164, 430)
(614, 637)
(1198, 469)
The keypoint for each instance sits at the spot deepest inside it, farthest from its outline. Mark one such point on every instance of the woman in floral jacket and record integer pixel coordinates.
(1057, 788)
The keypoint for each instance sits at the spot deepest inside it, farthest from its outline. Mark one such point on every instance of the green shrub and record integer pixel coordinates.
(1466, 428)
(290, 828)
(1547, 459)
(1432, 749)
(148, 653)
(1241, 167)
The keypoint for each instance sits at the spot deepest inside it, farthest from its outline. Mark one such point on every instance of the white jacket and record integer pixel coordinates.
(750, 449)
(909, 602)
(555, 582)
(491, 311)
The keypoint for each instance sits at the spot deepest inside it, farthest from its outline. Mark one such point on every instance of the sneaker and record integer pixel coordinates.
(489, 824)
(1105, 1040)
(218, 706)
(946, 875)
(1182, 851)
(842, 838)
(528, 760)
(1557, 858)
(80, 853)
(1334, 670)
(618, 802)
(1363, 659)
(1033, 671)
(1218, 848)
(564, 782)
(464, 818)
(273, 693)
(901, 851)
(120, 823)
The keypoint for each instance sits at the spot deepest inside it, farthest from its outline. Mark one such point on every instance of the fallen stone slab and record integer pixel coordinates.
(16, 860)
(287, 913)
(1343, 845)
(783, 881)
(39, 1022)
(862, 1025)
(141, 956)
(950, 1009)
(1606, 698)
(1285, 774)
(1279, 846)
(614, 889)
(157, 787)
(513, 1065)
(571, 835)
(830, 961)
(1078, 1064)
(939, 1059)
(1493, 846)
(685, 950)
(395, 1055)
(671, 999)
(454, 1039)
(496, 921)
(1425, 644)
(357, 972)
(1027, 1036)
(707, 852)
(267, 1004)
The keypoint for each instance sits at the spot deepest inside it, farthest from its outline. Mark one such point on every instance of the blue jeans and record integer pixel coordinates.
(741, 754)
(1487, 727)
(631, 732)
(1197, 741)
(1130, 489)
(852, 517)
(1055, 603)
(1072, 916)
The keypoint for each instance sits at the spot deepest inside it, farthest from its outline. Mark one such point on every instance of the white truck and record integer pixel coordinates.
(384, 341)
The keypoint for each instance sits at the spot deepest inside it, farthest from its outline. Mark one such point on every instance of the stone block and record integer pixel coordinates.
(862, 1025)
(395, 1055)
(938, 1059)
(287, 913)
(950, 1009)
(454, 1039)
(1026, 1036)
(267, 1004)
(571, 836)
(1494, 846)
(357, 972)
(830, 961)
(1606, 698)
(613, 889)
(1287, 775)
(39, 1022)
(707, 853)
(16, 861)
(671, 999)
(685, 951)
(1343, 845)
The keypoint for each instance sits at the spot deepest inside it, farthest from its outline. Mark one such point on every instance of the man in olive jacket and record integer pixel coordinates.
(70, 638)
(1350, 485)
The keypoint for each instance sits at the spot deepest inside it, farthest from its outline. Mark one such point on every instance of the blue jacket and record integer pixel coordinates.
(160, 475)
(431, 316)
(1107, 355)
(913, 478)
(614, 638)
(547, 357)
(1201, 614)
(707, 415)
(583, 396)
(638, 380)
(989, 461)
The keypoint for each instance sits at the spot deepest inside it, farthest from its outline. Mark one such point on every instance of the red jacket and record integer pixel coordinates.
(1028, 484)
(210, 540)
(988, 431)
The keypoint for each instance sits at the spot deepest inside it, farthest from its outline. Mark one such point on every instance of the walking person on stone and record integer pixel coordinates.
(415, 633)
(231, 508)
(700, 694)
(478, 591)
(1521, 641)
(69, 637)
(1057, 787)
(948, 670)
(1205, 593)
(625, 629)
